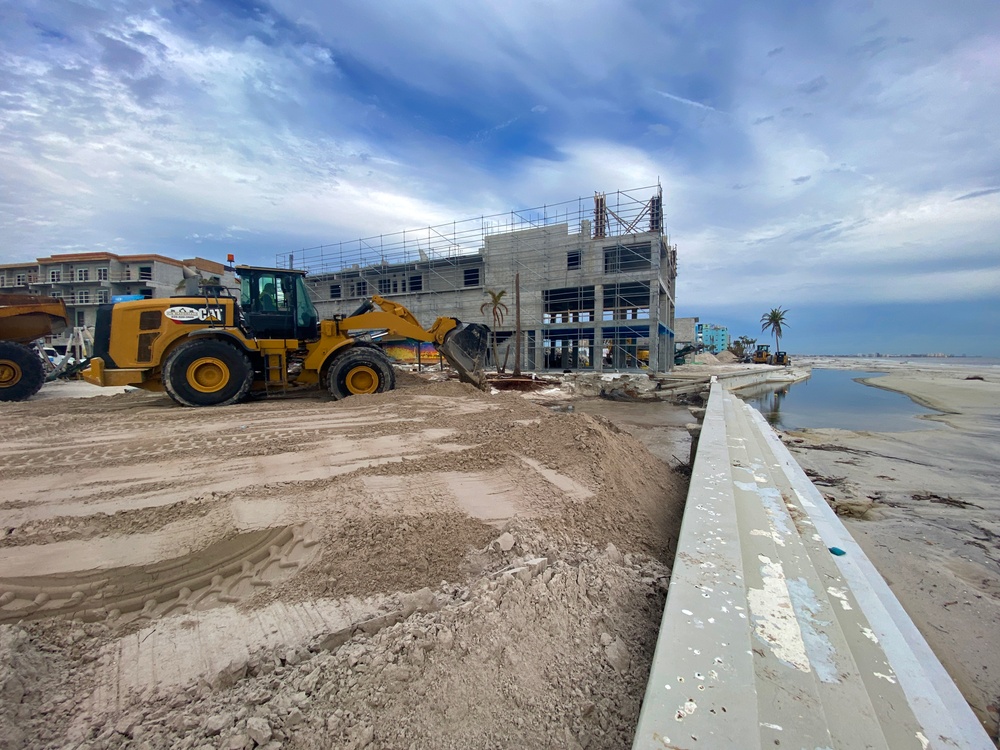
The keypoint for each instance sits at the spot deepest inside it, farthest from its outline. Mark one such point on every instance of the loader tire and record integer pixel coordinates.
(207, 372)
(21, 372)
(360, 369)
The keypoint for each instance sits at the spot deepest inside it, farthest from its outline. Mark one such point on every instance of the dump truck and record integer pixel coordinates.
(215, 349)
(25, 318)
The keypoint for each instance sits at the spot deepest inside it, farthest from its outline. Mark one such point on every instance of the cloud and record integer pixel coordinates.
(814, 86)
(689, 102)
(977, 194)
(833, 170)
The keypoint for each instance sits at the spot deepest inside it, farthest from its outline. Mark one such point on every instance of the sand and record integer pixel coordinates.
(925, 506)
(429, 568)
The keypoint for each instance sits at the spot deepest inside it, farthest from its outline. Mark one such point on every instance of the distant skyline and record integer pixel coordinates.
(839, 160)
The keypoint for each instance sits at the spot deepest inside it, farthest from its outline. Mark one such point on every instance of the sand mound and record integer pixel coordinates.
(726, 357)
(702, 358)
(247, 573)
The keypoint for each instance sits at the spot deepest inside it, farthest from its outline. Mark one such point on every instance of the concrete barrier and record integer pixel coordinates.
(777, 630)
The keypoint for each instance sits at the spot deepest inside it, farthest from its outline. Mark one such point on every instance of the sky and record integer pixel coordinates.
(840, 160)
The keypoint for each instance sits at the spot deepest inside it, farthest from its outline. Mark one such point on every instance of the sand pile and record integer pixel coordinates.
(725, 357)
(424, 568)
(702, 358)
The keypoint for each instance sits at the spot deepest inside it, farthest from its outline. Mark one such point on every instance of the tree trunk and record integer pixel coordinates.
(517, 325)
(496, 356)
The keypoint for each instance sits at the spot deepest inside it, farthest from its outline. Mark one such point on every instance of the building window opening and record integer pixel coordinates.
(471, 277)
(334, 291)
(416, 283)
(567, 353)
(83, 274)
(55, 277)
(145, 273)
(627, 258)
(384, 286)
(102, 274)
(568, 305)
(626, 301)
(574, 260)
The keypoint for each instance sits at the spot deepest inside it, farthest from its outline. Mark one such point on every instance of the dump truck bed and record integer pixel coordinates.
(26, 317)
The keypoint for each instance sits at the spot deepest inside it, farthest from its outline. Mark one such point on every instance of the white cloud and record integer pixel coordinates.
(849, 140)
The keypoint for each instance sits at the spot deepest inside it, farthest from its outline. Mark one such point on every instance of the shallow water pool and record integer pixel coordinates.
(834, 398)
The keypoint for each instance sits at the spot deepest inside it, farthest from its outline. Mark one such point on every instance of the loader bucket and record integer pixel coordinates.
(465, 349)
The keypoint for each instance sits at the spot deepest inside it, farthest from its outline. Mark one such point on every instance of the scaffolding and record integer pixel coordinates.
(597, 278)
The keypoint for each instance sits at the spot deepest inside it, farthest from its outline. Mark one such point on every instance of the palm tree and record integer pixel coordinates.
(774, 321)
(499, 309)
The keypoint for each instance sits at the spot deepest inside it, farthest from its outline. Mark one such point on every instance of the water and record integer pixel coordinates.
(832, 398)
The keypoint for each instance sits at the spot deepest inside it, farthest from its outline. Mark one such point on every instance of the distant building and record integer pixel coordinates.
(597, 281)
(714, 338)
(86, 280)
(685, 331)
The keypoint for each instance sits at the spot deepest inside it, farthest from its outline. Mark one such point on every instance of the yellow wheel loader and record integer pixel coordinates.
(762, 356)
(215, 349)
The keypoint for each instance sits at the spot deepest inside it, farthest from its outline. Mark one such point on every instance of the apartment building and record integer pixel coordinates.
(714, 338)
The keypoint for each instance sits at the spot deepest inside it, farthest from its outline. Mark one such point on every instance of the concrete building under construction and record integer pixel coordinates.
(596, 278)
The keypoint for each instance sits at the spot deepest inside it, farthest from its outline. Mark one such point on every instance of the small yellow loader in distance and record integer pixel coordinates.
(762, 356)
(214, 349)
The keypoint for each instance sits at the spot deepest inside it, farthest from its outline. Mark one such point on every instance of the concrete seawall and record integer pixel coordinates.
(777, 629)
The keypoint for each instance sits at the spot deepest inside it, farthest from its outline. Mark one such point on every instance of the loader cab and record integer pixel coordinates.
(276, 303)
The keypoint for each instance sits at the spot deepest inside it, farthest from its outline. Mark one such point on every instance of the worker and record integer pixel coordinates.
(267, 299)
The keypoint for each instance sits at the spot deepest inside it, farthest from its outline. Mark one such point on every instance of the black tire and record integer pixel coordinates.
(21, 372)
(207, 372)
(360, 369)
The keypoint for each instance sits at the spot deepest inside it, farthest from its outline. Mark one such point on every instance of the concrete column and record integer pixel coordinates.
(598, 355)
(654, 322)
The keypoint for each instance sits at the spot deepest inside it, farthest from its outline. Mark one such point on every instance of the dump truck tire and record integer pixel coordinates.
(21, 372)
(360, 369)
(207, 372)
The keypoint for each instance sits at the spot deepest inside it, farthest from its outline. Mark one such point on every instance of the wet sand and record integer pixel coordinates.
(925, 506)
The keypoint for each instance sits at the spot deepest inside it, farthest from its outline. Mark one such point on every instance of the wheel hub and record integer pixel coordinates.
(208, 375)
(362, 379)
(10, 373)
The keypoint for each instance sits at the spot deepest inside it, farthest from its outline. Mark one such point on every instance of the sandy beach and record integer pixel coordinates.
(925, 506)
